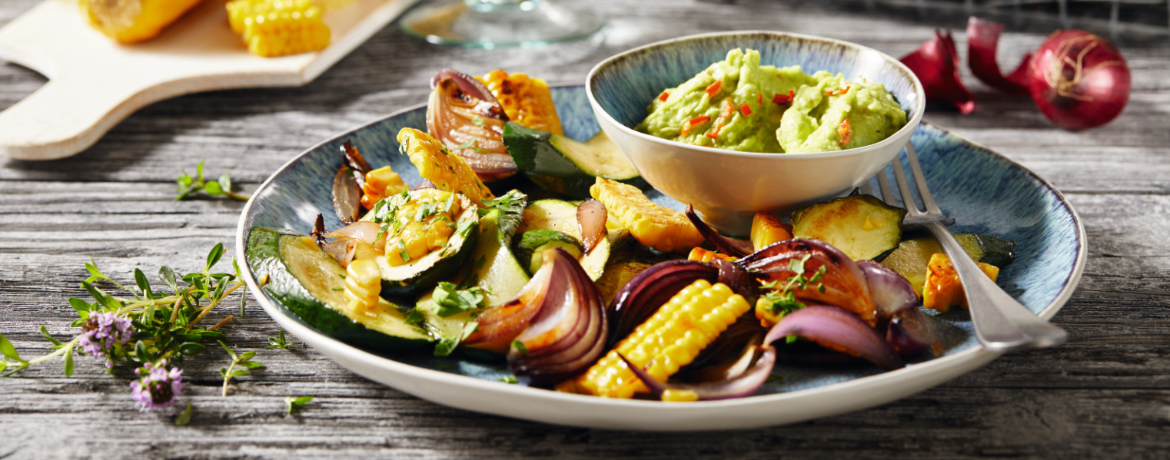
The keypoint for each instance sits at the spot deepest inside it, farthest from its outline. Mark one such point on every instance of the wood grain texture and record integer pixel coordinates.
(1106, 394)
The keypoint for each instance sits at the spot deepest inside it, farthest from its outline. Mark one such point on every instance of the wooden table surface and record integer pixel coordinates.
(1106, 394)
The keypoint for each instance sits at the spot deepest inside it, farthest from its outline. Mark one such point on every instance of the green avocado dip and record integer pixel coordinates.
(737, 104)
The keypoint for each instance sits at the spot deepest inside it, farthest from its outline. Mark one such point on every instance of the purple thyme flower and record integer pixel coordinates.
(101, 333)
(158, 386)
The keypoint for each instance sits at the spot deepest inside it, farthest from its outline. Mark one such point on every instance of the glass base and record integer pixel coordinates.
(494, 24)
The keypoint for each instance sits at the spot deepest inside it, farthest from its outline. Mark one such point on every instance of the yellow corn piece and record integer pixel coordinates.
(652, 225)
(703, 255)
(381, 183)
(525, 100)
(278, 27)
(943, 289)
(445, 169)
(767, 229)
(670, 339)
(363, 284)
(131, 21)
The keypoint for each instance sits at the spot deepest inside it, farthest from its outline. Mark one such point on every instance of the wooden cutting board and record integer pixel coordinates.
(94, 82)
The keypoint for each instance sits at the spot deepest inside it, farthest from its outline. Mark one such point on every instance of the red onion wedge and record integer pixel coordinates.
(347, 195)
(568, 333)
(464, 116)
(744, 384)
(739, 280)
(910, 332)
(1079, 80)
(842, 283)
(891, 292)
(362, 230)
(342, 250)
(591, 217)
(937, 65)
(649, 290)
(982, 44)
(500, 325)
(318, 232)
(729, 246)
(839, 330)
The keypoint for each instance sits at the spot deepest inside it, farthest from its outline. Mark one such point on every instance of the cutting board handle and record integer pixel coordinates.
(66, 115)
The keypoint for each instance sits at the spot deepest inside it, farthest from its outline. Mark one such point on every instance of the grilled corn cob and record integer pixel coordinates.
(131, 21)
(437, 164)
(670, 339)
(703, 255)
(525, 100)
(420, 225)
(381, 183)
(652, 225)
(943, 289)
(278, 27)
(363, 283)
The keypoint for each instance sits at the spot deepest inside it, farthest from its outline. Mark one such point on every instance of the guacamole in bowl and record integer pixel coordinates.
(737, 104)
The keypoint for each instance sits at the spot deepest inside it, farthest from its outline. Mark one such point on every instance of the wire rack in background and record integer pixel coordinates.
(1137, 18)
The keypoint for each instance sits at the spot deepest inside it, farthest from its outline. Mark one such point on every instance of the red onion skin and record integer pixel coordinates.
(729, 246)
(1079, 80)
(982, 43)
(744, 384)
(568, 333)
(936, 64)
(649, 290)
(910, 332)
(844, 284)
(499, 325)
(890, 291)
(347, 195)
(839, 330)
(591, 218)
(462, 110)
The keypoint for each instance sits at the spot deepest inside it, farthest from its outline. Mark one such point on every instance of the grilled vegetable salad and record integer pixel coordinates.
(613, 296)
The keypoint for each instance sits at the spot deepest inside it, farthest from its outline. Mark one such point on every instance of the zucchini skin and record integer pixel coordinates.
(544, 164)
(840, 222)
(264, 257)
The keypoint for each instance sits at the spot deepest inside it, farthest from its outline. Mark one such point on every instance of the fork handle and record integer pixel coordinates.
(1001, 323)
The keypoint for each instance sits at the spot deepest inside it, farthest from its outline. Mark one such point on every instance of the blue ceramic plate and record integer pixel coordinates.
(985, 193)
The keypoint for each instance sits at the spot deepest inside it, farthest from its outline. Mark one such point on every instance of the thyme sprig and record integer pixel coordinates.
(189, 185)
(148, 329)
(783, 301)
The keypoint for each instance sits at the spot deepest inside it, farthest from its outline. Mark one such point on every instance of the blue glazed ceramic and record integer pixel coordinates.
(984, 192)
(728, 187)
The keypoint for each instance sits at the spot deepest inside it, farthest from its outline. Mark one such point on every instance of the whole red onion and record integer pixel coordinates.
(1079, 80)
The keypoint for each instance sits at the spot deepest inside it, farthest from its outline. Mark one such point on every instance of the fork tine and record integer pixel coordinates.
(904, 187)
(920, 179)
(866, 188)
(884, 184)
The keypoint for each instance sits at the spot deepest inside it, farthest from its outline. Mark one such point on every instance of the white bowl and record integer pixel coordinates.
(728, 187)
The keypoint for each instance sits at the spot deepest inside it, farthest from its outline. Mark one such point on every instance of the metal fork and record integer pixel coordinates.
(1001, 323)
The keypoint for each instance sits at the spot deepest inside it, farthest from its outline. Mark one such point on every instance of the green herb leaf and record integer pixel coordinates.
(142, 353)
(168, 276)
(96, 274)
(104, 299)
(225, 181)
(415, 316)
(142, 282)
(510, 379)
(69, 363)
(452, 300)
(45, 334)
(191, 348)
(477, 121)
(519, 346)
(278, 341)
(511, 206)
(184, 417)
(212, 188)
(80, 305)
(214, 256)
(447, 345)
(296, 403)
(247, 355)
(466, 145)
(8, 350)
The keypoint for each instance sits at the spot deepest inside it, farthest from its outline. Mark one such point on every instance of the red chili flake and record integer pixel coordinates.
(686, 129)
(761, 96)
(712, 135)
(663, 96)
(784, 98)
(714, 88)
(845, 132)
(838, 92)
(745, 110)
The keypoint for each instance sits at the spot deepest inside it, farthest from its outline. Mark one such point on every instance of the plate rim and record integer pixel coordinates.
(968, 359)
